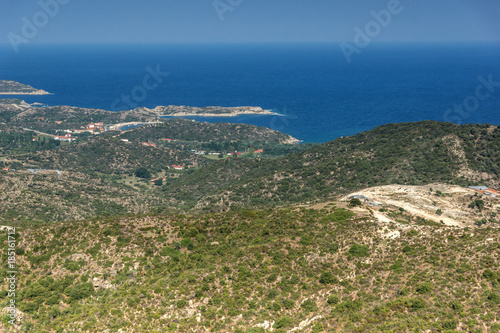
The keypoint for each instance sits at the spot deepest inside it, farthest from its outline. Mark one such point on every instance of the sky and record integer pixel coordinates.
(246, 21)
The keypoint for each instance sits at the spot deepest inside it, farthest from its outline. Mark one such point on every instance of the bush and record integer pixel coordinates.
(418, 303)
(288, 304)
(490, 275)
(142, 173)
(333, 300)
(80, 291)
(450, 324)
(327, 278)
(493, 297)
(309, 305)
(283, 322)
(358, 250)
(52, 300)
(255, 330)
(424, 288)
(355, 202)
(317, 328)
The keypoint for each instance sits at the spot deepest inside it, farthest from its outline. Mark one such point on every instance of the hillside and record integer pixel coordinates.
(110, 156)
(447, 204)
(45, 196)
(202, 132)
(408, 153)
(287, 270)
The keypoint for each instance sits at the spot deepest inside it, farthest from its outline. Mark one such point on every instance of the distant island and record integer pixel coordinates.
(16, 88)
(207, 111)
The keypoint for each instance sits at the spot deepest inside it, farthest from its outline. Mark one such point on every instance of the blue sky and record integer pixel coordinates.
(195, 21)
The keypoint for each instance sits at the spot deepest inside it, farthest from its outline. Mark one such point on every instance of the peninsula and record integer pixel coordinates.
(16, 88)
(208, 111)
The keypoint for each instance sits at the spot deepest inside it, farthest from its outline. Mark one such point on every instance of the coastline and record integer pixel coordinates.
(235, 114)
(208, 111)
(35, 93)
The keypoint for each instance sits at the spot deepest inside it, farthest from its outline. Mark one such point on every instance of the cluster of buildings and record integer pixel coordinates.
(94, 128)
(485, 190)
(67, 138)
(149, 144)
(175, 167)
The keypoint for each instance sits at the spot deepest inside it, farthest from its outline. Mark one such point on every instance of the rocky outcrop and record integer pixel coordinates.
(16, 88)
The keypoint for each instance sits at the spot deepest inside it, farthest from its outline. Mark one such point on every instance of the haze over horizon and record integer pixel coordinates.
(241, 21)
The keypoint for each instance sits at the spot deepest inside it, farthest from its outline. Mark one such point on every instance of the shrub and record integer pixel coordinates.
(52, 300)
(449, 324)
(309, 305)
(424, 288)
(317, 328)
(255, 330)
(334, 247)
(355, 202)
(142, 173)
(80, 291)
(358, 250)
(288, 304)
(490, 275)
(283, 322)
(493, 297)
(327, 278)
(333, 300)
(418, 303)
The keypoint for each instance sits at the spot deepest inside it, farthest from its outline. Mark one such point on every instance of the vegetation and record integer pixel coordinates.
(243, 244)
(214, 136)
(229, 272)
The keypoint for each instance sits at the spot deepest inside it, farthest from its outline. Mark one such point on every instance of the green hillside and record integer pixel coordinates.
(326, 270)
(407, 153)
(111, 156)
(189, 130)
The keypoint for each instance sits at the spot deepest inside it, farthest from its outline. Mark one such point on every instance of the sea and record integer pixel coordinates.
(317, 93)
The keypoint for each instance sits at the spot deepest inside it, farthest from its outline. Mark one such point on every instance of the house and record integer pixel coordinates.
(124, 140)
(149, 144)
(35, 139)
(5, 169)
(478, 188)
(258, 151)
(237, 154)
(177, 167)
(58, 122)
(168, 140)
(94, 127)
(66, 138)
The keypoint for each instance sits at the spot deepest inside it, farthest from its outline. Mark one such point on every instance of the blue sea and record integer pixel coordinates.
(318, 94)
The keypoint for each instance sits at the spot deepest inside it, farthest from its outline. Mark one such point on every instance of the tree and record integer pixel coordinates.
(355, 202)
(159, 182)
(142, 173)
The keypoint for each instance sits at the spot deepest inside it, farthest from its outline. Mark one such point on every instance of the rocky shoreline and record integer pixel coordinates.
(16, 88)
(208, 111)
